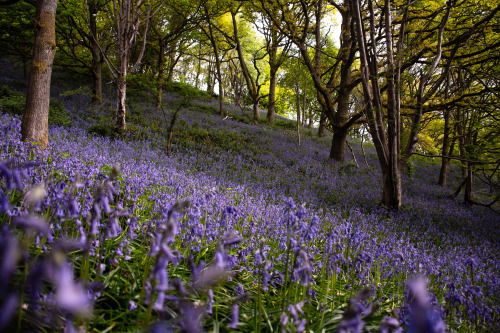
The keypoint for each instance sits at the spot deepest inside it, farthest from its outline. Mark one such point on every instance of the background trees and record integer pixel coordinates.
(427, 70)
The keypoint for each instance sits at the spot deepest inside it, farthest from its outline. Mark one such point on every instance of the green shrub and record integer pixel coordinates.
(58, 114)
(103, 129)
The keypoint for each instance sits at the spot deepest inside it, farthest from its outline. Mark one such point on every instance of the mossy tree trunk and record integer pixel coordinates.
(35, 122)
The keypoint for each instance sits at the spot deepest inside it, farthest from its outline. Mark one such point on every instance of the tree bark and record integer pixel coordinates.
(322, 124)
(272, 96)
(337, 150)
(96, 56)
(446, 146)
(468, 186)
(159, 79)
(121, 106)
(35, 122)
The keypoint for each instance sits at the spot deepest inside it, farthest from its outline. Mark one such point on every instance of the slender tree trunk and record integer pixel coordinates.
(96, 56)
(210, 81)
(159, 79)
(392, 185)
(35, 122)
(198, 68)
(172, 61)
(221, 88)
(468, 186)
(121, 106)
(446, 146)
(256, 113)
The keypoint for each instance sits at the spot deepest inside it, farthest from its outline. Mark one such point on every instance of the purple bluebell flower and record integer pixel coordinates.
(234, 316)
(70, 296)
(32, 222)
(7, 309)
(301, 326)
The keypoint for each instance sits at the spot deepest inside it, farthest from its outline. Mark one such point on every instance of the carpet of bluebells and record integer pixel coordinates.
(241, 229)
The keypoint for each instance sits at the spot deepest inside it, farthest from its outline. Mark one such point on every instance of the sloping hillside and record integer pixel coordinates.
(285, 231)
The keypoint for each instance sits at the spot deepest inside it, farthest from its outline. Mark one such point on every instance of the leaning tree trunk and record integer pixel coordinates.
(35, 122)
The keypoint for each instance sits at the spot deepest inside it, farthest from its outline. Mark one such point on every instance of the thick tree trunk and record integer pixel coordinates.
(322, 124)
(159, 79)
(391, 194)
(272, 96)
(337, 151)
(35, 122)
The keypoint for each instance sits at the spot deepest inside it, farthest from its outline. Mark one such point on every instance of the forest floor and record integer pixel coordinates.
(286, 232)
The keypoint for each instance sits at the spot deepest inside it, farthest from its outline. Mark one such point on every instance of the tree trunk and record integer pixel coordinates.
(337, 151)
(221, 87)
(97, 80)
(272, 96)
(172, 61)
(468, 187)
(256, 113)
(35, 122)
(121, 107)
(446, 146)
(96, 56)
(210, 84)
(391, 194)
(198, 68)
(159, 80)
(322, 124)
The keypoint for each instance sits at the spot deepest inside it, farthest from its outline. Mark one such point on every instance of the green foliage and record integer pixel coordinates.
(347, 169)
(410, 169)
(58, 114)
(207, 108)
(185, 90)
(284, 124)
(13, 102)
(103, 129)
